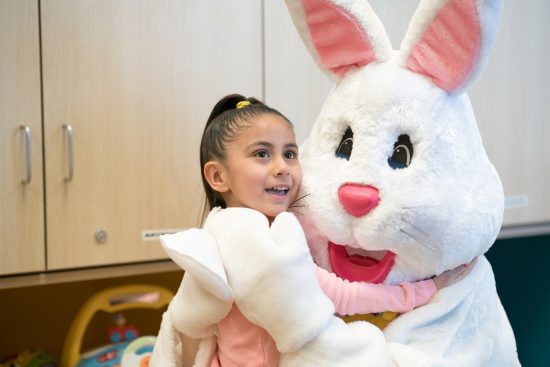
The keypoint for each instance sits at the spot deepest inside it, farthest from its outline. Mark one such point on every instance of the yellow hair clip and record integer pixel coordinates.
(242, 104)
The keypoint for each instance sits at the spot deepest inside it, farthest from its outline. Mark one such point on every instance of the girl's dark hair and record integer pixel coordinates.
(222, 126)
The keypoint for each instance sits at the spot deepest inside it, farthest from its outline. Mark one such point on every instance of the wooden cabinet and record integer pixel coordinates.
(134, 80)
(22, 245)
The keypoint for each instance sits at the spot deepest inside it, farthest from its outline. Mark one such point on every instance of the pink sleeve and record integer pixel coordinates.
(352, 298)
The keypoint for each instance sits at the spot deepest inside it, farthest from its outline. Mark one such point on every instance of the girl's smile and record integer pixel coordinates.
(279, 191)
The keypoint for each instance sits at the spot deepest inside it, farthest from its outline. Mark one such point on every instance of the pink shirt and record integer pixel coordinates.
(244, 344)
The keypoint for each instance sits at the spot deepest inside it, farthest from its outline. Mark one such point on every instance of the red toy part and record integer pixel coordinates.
(123, 333)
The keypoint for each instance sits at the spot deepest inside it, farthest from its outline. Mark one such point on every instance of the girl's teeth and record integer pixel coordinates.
(278, 190)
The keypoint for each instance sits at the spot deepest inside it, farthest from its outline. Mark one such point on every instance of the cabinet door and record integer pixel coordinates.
(21, 204)
(136, 80)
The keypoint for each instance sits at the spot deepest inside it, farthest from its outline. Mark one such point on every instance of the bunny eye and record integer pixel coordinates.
(346, 145)
(402, 153)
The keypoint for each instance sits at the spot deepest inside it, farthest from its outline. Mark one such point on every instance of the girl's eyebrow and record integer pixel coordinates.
(270, 145)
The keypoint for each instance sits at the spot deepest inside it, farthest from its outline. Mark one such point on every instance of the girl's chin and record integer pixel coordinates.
(272, 214)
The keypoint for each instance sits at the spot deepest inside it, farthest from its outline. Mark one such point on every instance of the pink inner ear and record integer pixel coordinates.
(338, 38)
(450, 46)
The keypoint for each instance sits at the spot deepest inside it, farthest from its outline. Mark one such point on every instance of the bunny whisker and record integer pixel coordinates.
(416, 228)
(300, 198)
(418, 234)
(422, 235)
(417, 207)
(293, 205)
(417, 240)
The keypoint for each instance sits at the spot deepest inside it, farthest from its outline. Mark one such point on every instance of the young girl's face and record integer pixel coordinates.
(261, 167)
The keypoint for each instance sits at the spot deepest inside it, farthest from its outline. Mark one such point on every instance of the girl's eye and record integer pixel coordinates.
(291, 155)
(402, 153)
(346, 145)
(261, 154)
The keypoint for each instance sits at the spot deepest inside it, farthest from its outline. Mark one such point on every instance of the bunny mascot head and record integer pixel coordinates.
(394, 170)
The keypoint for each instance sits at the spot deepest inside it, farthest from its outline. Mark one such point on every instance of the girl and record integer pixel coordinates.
(249, 158)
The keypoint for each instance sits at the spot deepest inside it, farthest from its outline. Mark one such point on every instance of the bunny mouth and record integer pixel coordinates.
(359, 268)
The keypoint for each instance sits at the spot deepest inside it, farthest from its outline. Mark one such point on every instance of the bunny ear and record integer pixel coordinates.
(340, 34)
(449, 40)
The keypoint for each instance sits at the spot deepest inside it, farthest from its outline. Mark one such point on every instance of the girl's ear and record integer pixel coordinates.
(214, 173)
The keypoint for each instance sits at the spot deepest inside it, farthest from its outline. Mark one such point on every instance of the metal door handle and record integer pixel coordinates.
(28, 152)
(70, 157)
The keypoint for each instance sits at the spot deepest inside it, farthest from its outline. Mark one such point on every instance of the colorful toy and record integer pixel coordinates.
(122, 332)
(124, 354)
(138, 352)
(107, 356)
(111, 300)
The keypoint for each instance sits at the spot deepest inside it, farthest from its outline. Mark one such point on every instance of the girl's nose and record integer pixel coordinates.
(280, 167)
(358, 199)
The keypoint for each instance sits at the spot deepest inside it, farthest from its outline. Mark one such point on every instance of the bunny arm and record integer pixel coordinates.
(204, 297)
(174, 349)
(472, 330)
(167, 351)
(275, 286)
(267, 278)
(196, 251)
(472, 327)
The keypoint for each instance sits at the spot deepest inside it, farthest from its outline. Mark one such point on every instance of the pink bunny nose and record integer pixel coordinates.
(358, 199)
